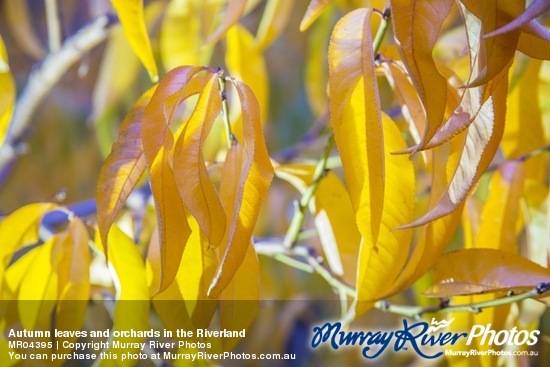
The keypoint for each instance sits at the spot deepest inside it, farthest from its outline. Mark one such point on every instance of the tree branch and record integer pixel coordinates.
(44, 77)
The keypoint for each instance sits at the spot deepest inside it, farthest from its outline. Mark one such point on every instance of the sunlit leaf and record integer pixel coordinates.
(356, 118)
(274, 21)
(482, 140)
(417, 25)
(316, 68)
(380, 262)
(158, 141)
(334, 218)
(254, 178)
(122, 169)
(473, 271)
(192, 178)
(314, 10)
(130, 13)
(233, 12)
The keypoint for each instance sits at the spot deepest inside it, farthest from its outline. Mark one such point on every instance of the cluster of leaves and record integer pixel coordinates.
(456, 115)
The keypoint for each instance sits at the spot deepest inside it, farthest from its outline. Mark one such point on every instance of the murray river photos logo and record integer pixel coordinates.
(421, 337)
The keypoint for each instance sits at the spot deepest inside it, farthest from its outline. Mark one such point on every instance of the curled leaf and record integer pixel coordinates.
(476, 270)
(314, 10)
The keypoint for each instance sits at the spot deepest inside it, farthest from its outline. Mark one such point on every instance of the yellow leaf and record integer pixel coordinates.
(482, 141)
(192, 178)
(381, 262)
(501, 211)
(417, 25)
(233, 12)
(20, 229)
(157, 142)
(334, 218)
(131, 311)
(473, 271)
(533, 41)
(239, 300)
(122, 169)
(314, 10)
(245, 62)
(130, 13)
(183, 33)
(274, 21)
(356, 118)
(254, 178)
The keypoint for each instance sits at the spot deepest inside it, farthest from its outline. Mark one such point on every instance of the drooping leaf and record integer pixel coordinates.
(473, 271)
(334, 218)
(536, 8)
(417, 25)
(356, 118)
(130, 13)
(122, 169)
(253, 181)
(482, 140)
(381, 262)
(533, 41)
(233, 12)
(192, 178)
(314, 10)
(158, 141)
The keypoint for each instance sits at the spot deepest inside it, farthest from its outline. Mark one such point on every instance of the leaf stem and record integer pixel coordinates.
(382, 30)
(225, 109)
(301, 206)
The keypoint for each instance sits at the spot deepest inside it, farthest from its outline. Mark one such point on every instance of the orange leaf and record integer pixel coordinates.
(417, 25)
(356, 118)
(122, 169)
(193, 182)
(157, 142)
(314, 10)
(254, 178)
(536, 8)
(533, 41)
(235, 8)
(476, 270)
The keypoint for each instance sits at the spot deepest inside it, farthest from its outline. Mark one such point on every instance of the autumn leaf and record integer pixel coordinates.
(536, 8)
(274, 20)
(253, 179)
(122, 169)
(233, 12)
(130, 13)
(314, 10)
(7, 92)
(473, 271)
(356, 118)
(533, 41)
(192, 178)
(417, 25)
(158, 141)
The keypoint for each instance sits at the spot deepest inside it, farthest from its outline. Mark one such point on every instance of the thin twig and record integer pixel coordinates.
(302, 205)
(225, 109)
(44, 77)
